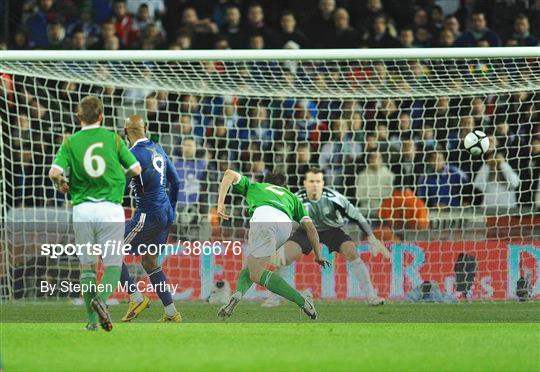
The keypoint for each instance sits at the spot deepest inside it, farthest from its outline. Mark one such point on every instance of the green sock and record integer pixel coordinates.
(244, 282)
(110, 281)
(88, 277)
(279, 286)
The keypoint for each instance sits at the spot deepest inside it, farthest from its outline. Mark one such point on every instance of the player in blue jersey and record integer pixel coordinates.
(153, 216)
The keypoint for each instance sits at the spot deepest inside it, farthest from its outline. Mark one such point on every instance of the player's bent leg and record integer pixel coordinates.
(284, 256)
(159, 282)
(360, 271)
(276, 284)
(137, 301)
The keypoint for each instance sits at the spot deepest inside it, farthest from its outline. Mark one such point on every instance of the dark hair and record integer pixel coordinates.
(278, 179)
(314, 170)
(287, 13)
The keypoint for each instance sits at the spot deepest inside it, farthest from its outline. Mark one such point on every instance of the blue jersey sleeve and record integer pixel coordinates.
(174, 182)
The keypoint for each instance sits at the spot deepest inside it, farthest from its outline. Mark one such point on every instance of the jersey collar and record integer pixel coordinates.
(139, 141)
(91, 126)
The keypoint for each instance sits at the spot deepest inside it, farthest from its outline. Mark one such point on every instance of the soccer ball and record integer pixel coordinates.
(476, 142)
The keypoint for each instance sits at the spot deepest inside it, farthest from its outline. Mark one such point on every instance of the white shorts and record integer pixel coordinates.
(269, 228)
(97, 223)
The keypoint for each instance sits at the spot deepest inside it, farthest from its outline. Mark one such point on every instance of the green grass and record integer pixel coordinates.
(46, 336)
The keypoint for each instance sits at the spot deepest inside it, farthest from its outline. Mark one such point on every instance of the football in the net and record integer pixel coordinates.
(476, 142)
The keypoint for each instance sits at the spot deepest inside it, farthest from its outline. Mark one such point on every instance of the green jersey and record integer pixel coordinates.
(96, 158)
(258, 194)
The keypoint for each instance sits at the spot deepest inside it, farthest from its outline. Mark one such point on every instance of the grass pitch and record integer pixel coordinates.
(46, 336)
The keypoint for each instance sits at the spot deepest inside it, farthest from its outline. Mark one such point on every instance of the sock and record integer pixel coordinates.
(88, 277)
(281, 272)
(361, 273)
(244, 282)
(110, 280)
(170, 309)
(159, 281)
(126, 280)
(279, 286)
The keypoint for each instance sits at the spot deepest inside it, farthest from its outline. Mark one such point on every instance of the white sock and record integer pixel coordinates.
(361, 273)
(136, 297)
(170, 309)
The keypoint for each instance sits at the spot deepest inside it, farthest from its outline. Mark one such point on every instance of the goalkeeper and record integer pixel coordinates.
(272, 208)
(96, 158)
(327, 208)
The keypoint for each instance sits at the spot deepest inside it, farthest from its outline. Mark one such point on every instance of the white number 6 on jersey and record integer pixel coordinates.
(90, 161)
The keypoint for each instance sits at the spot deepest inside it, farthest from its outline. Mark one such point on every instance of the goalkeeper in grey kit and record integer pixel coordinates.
(327, 208)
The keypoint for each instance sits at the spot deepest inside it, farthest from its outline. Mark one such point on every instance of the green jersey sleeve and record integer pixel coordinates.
(299, 211)
(127, 159)
(61, 159)
(242, 186)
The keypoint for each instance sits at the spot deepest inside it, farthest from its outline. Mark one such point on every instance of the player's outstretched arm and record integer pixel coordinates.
(229, 178)
(313, 237)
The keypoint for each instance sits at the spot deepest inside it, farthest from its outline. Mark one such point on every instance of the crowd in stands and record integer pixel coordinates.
(241, 24)
(381, 153)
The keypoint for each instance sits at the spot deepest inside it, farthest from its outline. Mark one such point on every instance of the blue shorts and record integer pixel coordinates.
(144, 229)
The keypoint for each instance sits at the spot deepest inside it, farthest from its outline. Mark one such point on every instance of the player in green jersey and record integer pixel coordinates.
(273, 209)
(97, 160)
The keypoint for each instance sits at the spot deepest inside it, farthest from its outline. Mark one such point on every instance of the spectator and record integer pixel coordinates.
(479, 31)
(373, 184)
(124, 24)
(321, 25)
(451, 24)
(421, 18)
(442, 185)
(498, 182)
(341, 149)
(344, 35)
(298, 163)
(86, 25)
(256, 41)
(446, 38)
(20, 40)
(38, 23)
(156, 8)
(436, 18)
(231, 28)
(379, 37)
(190, 168)
(372, 9)
(78, 40)
(143, 19)
(56, 34)
(530, 174)
(111, 43)
(482, 121)
(256, 23)
(108, 30)
(201, 31)
(406, 38)
(522, 33)
(423, 37)
(406, 166)
(289, 32)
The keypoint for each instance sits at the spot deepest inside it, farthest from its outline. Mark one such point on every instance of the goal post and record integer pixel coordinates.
(385, 125)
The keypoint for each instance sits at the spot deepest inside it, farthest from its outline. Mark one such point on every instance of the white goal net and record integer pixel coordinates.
(385, 126)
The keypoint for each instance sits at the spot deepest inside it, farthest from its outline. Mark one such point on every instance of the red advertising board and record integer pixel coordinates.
(499, 265)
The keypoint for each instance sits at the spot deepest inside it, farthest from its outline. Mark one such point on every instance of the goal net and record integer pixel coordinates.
(385, 126)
